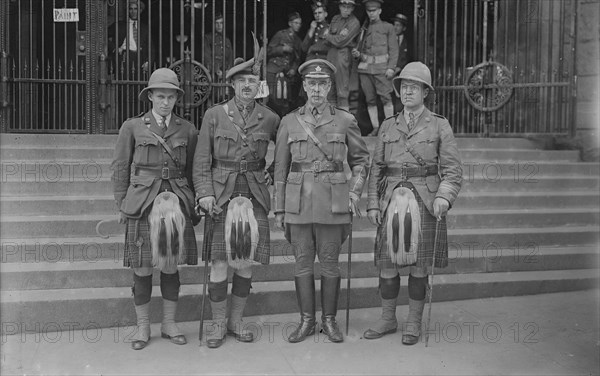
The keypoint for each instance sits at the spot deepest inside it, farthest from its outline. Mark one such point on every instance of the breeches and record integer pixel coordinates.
(322, 240)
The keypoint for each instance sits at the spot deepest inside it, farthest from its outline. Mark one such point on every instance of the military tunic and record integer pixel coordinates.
(316, 47)
(433, 140)
(379, 52)
(322, 197)
(341, 39)
(220, 141)
(220, 50)
(142, 168)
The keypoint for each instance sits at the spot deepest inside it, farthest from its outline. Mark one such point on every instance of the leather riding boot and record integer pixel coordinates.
(142, 336)
(169, 329)
(412, 326)
(330, 292)
(374, 116)
(305, 292)
(387, 324)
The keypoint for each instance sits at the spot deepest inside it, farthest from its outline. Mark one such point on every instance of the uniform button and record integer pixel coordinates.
(166, 163)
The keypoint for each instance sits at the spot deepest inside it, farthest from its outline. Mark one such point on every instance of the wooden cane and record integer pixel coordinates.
(437, 231)
(349, 276)
(208, 232)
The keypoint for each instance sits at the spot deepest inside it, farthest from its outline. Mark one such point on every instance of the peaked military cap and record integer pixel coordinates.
(317, 68)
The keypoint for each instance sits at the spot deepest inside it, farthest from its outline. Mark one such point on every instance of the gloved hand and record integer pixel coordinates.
(279, 221)
(374, 216)
(209, 205)
(440, 208)
(353, 204)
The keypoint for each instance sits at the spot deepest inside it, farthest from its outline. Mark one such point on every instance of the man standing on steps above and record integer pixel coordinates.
(415, 178)
(341, 38)
(152, 180)
(230, 177)
(314, 201)
(377, 55)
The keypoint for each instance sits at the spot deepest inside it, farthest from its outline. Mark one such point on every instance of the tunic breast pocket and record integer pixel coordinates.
(298, 143)
(225, 143)
(261, 143)
(180, 150)
(146, 151)
(392, 145)
(337, 143)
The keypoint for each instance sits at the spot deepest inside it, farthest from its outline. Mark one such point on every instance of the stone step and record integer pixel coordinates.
(510, 239)
(105, 204)
(59, 309)
(101, 185)
(73, 141)
(85, 225)
(111, 273)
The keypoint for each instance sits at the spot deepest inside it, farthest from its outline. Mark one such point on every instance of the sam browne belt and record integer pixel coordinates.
(239, 166)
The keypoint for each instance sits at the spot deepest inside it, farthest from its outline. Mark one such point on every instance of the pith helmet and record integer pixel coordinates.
(415, 71)
(162, 78)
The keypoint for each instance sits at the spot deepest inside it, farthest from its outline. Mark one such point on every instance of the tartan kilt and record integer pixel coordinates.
(426, 246)
(135, 228)
(218, 249)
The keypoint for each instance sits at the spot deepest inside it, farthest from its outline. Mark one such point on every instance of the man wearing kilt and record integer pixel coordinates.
(314, 199)
(152, 171)
(415, 178)
(229, 168)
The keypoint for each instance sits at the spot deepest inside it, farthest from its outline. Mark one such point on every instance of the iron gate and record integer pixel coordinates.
(68, 75)
(500, 67)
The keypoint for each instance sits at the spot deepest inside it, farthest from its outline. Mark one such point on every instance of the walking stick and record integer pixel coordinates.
(349, 276)
(437, 231)
(208, 232)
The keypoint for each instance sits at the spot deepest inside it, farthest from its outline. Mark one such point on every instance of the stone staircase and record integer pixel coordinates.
(526, 222)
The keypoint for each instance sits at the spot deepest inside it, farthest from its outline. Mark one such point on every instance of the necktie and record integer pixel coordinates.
(135, 32)
(163, 123)
(315, 112)
(411, 122)
(245, 112)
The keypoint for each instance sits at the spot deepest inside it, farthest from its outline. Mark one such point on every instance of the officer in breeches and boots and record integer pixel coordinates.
(314, 201)
(152, 183)
(415, 178)
(232, 187)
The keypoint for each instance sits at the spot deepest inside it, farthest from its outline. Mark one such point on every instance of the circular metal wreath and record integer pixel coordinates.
(201, 81)
(485, 95)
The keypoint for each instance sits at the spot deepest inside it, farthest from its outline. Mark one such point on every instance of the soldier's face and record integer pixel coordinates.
(320, 14)
(163, 100)
(373, 13)
(219, 25)
(346, 10)
(399, 27)
(317, 90)
(412, 93)
(295, 24)
(245, 86)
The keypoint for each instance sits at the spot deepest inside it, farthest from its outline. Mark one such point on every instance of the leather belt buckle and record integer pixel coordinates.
(243, 166)
(316, 167)
(164, 173)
